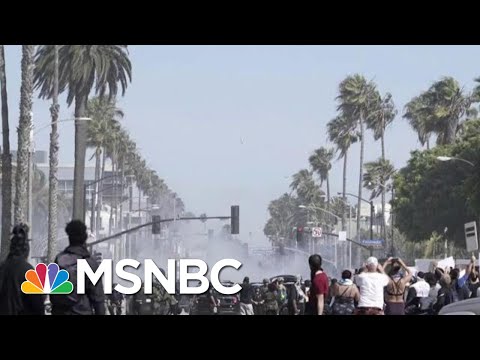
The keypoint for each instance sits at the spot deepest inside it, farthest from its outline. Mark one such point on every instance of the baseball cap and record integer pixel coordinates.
(372, 260)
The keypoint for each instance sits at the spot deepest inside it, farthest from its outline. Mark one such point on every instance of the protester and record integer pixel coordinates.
(302, 297)
(114, 302)
(246, 296)
(345, 294)
(12, 274)
(319, 286)
(445, 294)
(93, 301)
(271, 303)
(371, 284)
(395, 291)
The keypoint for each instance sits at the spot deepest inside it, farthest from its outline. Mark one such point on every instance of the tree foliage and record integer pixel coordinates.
(432, 195)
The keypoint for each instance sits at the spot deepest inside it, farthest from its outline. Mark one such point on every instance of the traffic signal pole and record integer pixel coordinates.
(151, 224)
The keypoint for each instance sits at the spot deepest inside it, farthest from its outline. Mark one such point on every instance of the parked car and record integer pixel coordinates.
(464, 307)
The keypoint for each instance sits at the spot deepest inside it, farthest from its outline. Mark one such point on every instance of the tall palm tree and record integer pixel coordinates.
(308, 192)
(53, 181)
(377, 174)
(356, 98)
(105, 118)
(341, 131)
(439, 110)
(24, 129)
(418, 114)
(83, 67)
(321, 163)
(449, 104)
(6, 162)
(113, 143)
(382, 115)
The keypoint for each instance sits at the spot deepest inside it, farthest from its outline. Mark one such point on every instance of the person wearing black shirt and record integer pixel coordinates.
(246, 296)
(12, 274)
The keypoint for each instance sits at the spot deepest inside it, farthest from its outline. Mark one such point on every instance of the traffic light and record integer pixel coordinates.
(156, 226)
(300, 234)
(235, 219)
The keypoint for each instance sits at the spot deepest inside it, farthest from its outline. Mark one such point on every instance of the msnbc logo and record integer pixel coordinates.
(39, 283)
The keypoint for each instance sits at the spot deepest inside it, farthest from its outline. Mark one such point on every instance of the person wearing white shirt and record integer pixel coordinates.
(371, 283)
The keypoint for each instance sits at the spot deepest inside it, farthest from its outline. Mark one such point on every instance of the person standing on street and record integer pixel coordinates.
(397, 285)
(319, 286)
(246, 296)
(93, 301)
(12, 274)
(371, 284)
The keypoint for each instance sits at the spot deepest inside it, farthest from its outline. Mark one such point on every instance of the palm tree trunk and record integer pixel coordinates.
(384, 225)
(120, 219)
(110, 222)
(100, 195)
(52, 180)
(344, 190)
(94, 201)
(6, 163)
(80, 153)
(139, 199)
(24, 130)
(360, 178)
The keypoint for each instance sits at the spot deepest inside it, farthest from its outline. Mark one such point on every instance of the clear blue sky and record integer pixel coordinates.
(188, 107)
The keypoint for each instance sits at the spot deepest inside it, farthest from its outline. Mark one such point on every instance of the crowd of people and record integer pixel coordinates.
(374, 289)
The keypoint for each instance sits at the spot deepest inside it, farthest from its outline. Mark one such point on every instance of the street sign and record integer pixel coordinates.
(342, 236)
(317, 232)
(471, 236)
(375, 243)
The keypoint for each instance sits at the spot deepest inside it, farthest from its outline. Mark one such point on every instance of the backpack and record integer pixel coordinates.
(67, 261)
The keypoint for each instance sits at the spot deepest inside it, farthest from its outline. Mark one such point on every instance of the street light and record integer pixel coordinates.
(372, 211)
(449, 158)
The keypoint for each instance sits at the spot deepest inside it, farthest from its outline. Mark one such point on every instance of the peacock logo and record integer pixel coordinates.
(47, 280)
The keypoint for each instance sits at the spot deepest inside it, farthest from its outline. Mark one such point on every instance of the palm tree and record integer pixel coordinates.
(283, 216)
(105, 118)
(356, 100)
(113, 143)
(308, 192)
(383, 114)
(24, 130)
(53, 181)
(439, 110)
(6, 162)
(304, 185)
(418, 114)
(377, 174)
(449, 105)
(82, 67)
(321, 163)
(341, 131)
